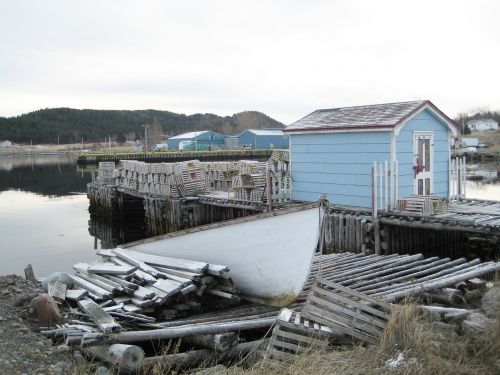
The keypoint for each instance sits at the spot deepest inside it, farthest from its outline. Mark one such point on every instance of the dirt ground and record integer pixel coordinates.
(22, 349)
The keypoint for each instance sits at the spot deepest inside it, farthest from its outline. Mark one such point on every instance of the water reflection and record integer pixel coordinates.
(483, 181)
(43, 214)
(43, 175)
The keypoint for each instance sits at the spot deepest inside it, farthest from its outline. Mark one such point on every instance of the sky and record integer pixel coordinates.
(283, 58)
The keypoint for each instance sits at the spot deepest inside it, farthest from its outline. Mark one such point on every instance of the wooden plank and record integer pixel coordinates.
(76, 294)
(282, 356)
(352, 312)
(92, 288)
(170, 287)
(295, 348)
(307, 340)
(57, 290)
(143, 293)
(318, 315)
(110, 268)
(331, 295)
(350, 317)
(103, 320)
(129, 256)
(125, 283)
(155, 260)
(385, 306)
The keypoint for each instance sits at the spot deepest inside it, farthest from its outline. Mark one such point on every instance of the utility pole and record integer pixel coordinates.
(146, 136)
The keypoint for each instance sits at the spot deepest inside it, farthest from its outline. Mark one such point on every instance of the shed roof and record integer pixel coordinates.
(189, 135)
(368, 117)
(265, 131)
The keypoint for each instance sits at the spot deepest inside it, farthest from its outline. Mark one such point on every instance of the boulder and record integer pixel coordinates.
(490, 304)
(45, 309)
(62, 277)
(477, 324)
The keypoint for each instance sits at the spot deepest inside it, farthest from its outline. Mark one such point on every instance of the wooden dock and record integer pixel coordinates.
(176, 156)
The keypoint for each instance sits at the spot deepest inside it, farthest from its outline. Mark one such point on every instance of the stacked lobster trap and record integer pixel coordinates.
(245, 180)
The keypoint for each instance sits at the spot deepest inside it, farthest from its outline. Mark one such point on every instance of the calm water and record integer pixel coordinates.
(44, 213)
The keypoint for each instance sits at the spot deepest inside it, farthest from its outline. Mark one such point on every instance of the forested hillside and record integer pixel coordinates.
(67, 125)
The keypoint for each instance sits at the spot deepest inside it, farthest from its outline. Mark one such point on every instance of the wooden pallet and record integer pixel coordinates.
(294, 337)
(426, 205)
(346, 311)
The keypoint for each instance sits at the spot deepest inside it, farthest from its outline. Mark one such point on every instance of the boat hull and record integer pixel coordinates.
(269, 256)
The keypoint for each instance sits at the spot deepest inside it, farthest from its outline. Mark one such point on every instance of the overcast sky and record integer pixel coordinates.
(284, 58)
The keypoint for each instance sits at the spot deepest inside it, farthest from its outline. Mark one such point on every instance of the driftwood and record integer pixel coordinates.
(126, 358)
(195, 357)
(189, 330)
(219, 342)
(29, 274)
(448, 296)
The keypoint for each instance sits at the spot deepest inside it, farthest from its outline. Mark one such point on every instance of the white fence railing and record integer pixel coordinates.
(384, 186)
(458, 175)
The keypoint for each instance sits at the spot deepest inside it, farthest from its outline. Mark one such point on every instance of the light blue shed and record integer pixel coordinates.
(332, 151)
(263, 138)
(199, 140)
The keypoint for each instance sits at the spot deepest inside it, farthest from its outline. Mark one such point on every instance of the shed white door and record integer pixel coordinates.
(423, 168)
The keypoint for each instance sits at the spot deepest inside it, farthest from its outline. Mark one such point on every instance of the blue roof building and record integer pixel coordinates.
(263, 138)
(199, 140)
(332, 151)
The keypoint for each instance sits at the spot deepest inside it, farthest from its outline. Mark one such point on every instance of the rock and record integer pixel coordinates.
(25, 298)
(62, 277)
(46, 309)
(450, 328)
(60, 367)
(477, 324)
(78, 357)
(490, 303)
(473, 297)
(63, 348)
(102, 370)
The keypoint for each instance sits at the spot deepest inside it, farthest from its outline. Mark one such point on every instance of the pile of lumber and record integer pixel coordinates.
(128, 288)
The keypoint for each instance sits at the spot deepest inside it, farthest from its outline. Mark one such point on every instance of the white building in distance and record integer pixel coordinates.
(482, 125)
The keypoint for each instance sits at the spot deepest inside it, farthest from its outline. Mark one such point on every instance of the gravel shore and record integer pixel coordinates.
(22, 349)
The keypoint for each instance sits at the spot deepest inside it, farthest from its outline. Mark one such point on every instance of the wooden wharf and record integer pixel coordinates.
(176, 156)
(470, 228)
(137, 200)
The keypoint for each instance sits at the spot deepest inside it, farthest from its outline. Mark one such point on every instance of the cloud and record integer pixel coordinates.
(285, 58)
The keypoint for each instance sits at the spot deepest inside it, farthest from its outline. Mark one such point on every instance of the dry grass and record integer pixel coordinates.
(425, 349)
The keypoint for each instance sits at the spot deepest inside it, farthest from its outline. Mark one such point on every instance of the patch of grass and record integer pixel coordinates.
(425, 349)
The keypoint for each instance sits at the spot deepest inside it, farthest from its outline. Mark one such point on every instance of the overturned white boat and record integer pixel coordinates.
(269, 254)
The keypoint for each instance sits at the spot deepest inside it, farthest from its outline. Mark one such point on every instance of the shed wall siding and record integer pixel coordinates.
(337, 164)
(424, 121)
(210, 138)
(262, 141)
